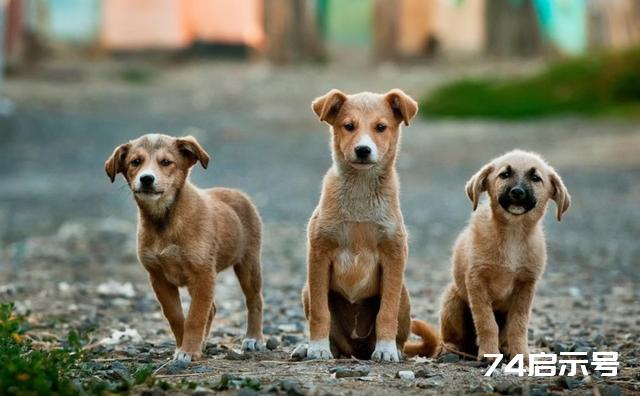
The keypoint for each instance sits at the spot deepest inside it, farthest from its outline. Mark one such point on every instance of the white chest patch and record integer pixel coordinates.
(366, 141)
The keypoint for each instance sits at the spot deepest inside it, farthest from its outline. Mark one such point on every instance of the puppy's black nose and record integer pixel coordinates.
(147, 180)
(363, 152)
(516, 193)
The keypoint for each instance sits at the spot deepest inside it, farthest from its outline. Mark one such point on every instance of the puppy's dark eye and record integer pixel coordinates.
(505, 175)
(349, 126)
(136, 162)
(535, 178)
(165, 162)
(381, 128)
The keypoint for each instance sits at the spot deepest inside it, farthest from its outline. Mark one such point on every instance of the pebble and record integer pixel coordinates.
(176, 366)
(233, 355)
(406, 375)
(482, 387)
(349, 372)
(272, 343)
(291, 388)
(448, 358)
(611, 390)
(290, 339)
(300, 352)
(599, 340)
(558, 347)
(569, 382)
(424, 373)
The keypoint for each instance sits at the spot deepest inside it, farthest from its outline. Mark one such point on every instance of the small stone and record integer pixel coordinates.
(233, 355)
(538, 390)
(436, 380)
(201, 369)
(569, 382)
(271, 330)
(290, 339)
(562, 347)
(406, 375)
(544, 341)
(599, 340)
(611, 390)
(291, 388)
(349, 372)
(503, 387)
(300, 352)
(481, 387)
(448, 358)
(272, 343)
(424, 373)
(176, 366)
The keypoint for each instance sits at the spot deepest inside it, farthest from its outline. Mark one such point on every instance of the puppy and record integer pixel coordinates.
(355, 297)
(500, 256)
(187, 235)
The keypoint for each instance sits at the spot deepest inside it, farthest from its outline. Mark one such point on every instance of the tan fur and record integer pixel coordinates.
(498, 259)
(187, 235)
(357, 243)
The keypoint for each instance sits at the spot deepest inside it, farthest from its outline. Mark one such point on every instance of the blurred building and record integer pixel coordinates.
(295, 30)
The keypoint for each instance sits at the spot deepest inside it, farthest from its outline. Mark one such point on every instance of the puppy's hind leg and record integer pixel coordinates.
(249, 275)
(456, 331)
(212, 315)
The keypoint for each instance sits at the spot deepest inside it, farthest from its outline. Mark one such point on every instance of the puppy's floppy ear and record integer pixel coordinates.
(403, 106)
(190, 148)
(327, 107)
(559, 193)
(115, 163)
(477, 184)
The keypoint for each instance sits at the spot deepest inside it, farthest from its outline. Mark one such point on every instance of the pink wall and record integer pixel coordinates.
(170, 24)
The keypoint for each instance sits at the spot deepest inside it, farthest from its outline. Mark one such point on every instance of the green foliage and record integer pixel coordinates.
(593, 85)
(28, 371)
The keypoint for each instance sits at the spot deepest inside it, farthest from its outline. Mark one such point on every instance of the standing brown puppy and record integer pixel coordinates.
(187, 235)
(500, 256)
(355, 298)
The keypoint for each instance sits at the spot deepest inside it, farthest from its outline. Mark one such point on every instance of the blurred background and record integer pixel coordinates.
(561, 77)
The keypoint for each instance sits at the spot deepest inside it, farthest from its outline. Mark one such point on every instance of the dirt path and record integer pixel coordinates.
(64, 229)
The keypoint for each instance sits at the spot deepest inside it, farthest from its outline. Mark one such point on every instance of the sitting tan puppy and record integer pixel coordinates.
(500, 256)
(355, 297)
(187, 235)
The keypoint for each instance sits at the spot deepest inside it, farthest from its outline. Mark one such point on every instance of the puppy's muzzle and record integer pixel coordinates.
(518, 199)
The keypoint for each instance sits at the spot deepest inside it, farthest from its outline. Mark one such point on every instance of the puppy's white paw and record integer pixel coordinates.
(386, 351)
(319, 350)
(182, 356)
(253, 345)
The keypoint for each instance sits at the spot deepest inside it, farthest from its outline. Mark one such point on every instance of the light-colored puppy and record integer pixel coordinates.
(500, 256)
(187, 235)
(355, 297)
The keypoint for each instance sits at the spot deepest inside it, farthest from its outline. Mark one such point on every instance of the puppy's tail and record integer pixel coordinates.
(429, 346)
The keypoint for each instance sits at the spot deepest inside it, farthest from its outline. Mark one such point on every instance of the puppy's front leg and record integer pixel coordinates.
(201, 292)
(484, 320)
(518, 318)
(392, 257)
(169, 298)
(319, 272)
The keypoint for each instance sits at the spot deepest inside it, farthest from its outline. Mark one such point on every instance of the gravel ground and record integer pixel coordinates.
(65, 230)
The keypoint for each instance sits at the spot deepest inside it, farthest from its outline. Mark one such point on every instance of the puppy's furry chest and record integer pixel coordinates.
(518, 263)
(355, 265)
(172, 260)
